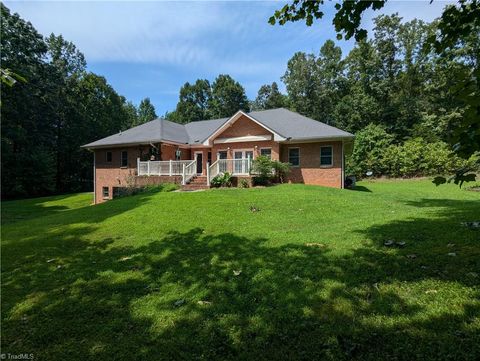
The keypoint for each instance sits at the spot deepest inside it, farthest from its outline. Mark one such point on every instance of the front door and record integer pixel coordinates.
(199, 159)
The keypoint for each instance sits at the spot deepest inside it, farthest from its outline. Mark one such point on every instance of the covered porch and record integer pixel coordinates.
(189, 169)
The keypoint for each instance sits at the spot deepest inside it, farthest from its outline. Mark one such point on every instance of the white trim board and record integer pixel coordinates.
(277, 137)
(246, 138)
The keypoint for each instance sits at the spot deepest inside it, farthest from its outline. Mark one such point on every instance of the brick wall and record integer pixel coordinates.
(243, 126)
(111, 174)
(310, 171)
(168, 152)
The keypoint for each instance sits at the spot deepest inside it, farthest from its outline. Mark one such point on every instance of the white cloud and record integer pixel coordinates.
(183, 41)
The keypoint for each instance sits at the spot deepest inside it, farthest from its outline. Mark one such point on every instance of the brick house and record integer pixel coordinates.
(192, 154)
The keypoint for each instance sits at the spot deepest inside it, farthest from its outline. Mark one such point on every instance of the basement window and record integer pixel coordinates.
(105, 193)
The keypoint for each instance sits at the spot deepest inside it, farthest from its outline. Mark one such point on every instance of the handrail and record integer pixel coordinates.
(189, 171)
(159, 168)
(188, 168)
(213, 171)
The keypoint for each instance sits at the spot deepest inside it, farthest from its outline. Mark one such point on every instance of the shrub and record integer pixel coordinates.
(130, 190)
(244, 184)
(370, 144)
(281, 170)
(265, 170)
(374, 151)
(222, 180)
(418, 158)
(262, 170)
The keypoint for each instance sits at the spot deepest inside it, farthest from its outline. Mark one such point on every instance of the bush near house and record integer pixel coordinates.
(265, 171)
(222, 180)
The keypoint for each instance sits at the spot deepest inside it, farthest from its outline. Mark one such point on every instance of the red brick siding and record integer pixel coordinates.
(110, 174)
(168, 152)
(310, 171)
(243, 127)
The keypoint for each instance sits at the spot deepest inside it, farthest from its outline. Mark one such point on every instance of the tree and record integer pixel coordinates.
(145, 112)
(228, 96)
(329, 80)
(67, 65)
(46, 119)
(316, 84)
(269, 97)
(456, 24)
(27, 156)
(131, 112)
(300, 80)
(193, 103)
(370, 145)
(9, 78)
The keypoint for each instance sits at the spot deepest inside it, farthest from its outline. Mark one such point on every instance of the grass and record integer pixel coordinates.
(162, 276)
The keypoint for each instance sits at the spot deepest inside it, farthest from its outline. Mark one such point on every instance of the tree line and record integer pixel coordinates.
(392, 80)
(57, 107)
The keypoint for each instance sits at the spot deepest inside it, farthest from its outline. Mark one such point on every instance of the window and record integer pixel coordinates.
(178, 154)
(294, 156)
(266, 152)
(326, 156)
(105, 192)
(124, 160)
(108, 157)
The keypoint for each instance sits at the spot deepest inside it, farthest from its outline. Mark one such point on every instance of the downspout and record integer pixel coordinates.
(343, 167)
(94, 179)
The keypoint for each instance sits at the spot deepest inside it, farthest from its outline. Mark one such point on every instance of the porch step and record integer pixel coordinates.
(196, 183)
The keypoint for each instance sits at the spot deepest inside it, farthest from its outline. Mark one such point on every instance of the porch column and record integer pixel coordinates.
(183, 174)
(208, 174)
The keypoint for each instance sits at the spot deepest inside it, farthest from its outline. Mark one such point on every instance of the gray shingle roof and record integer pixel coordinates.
(199, 131)
(284, 122)
(293, 125)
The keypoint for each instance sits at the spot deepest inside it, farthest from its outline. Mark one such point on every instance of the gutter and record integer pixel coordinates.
(316, 139)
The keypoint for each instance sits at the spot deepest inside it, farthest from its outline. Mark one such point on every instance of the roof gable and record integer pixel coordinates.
(233, 119)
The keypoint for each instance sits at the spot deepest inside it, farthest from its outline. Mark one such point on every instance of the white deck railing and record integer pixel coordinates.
(233, 166)
(189, 171)
(185, 168)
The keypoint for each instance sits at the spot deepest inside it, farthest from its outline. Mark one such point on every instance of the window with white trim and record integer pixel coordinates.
(266, 152)
(105, 192)
(124, 159)
(294, 156)
(326, 156)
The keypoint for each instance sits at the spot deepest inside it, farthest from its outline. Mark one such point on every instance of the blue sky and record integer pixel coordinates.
(150, 49)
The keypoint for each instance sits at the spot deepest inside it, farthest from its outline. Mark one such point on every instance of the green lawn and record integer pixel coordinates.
(162, 276)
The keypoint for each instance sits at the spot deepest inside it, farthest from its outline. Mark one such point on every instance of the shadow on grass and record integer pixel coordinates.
(360, 189)
(293, 302)
(25, 209)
